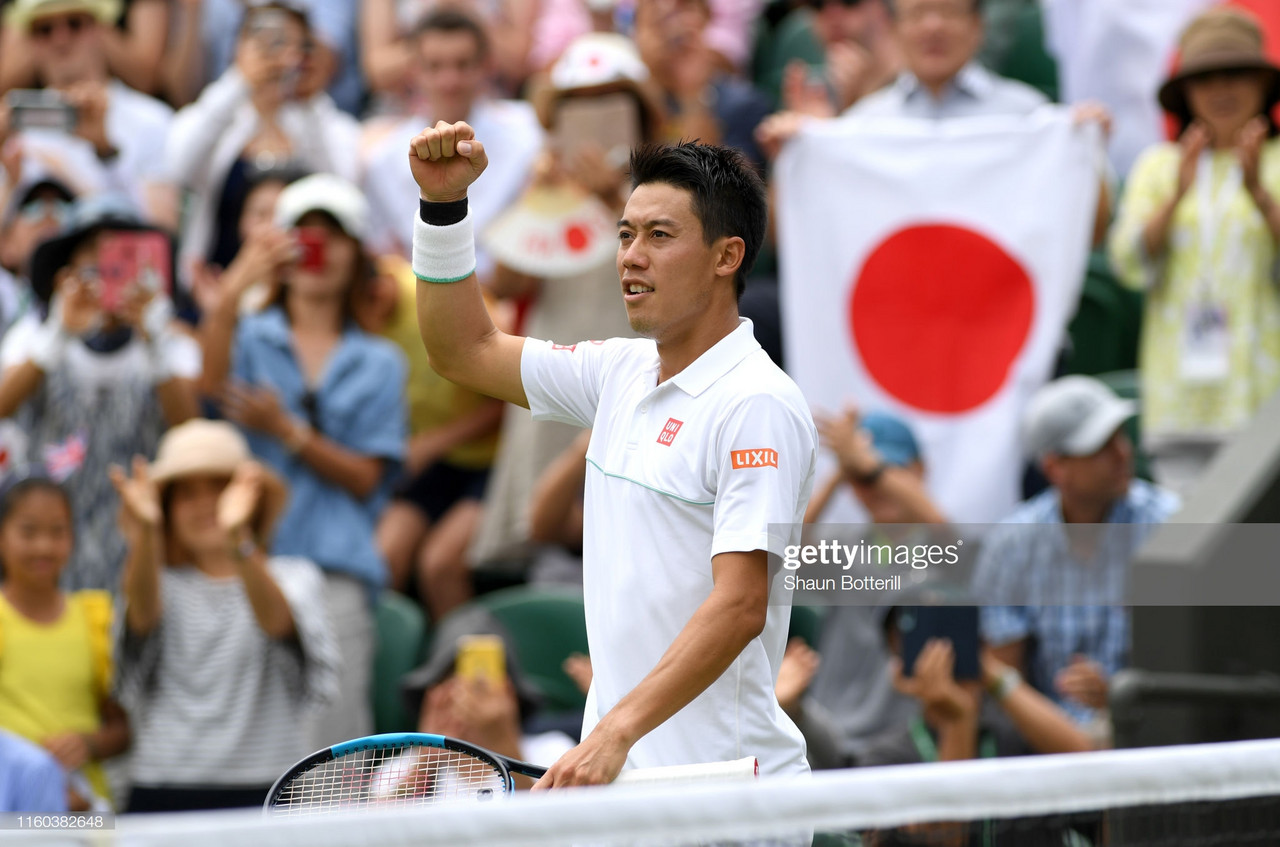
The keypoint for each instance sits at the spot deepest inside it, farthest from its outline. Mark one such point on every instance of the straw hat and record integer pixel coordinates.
(202, 447)
(1219, 40)
(23, 12)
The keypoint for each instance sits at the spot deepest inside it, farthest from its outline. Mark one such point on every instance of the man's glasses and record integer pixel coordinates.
(75, 24)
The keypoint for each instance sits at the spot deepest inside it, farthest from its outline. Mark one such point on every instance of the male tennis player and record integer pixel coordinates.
(701, 458)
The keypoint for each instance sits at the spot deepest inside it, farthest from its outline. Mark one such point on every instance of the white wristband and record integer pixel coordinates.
(443, 254)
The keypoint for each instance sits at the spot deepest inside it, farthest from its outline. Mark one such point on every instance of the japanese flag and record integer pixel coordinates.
(929, 268)
(1119, 52)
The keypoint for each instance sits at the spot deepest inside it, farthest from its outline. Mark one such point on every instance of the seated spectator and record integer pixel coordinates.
(451, 72)
(859, 55)
(223, 647)
(1067, 632)
(204, 38)
(119, 133)
(259, 251)
(33, 211)
(55, 646)
(93, 382)
(30, 779)
(702, 100)
(427, 528)
(489, 713)
(133, 40)
(841, 696)
(1197, 231)
(322, 404)
(260, 113)
(994, 716)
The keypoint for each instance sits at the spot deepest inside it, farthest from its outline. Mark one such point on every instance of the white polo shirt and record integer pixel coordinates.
(677, 473)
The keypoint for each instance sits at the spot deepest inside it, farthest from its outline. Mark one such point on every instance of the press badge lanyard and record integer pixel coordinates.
(1212, 211)
(1206, 342)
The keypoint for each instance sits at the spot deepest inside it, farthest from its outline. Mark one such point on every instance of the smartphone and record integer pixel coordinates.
(40, 109)
(311, 240)
(958, 624)
(610, 121)
(126, 259)
(481, 657)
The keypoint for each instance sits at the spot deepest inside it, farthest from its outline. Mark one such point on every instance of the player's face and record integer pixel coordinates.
(668, 271)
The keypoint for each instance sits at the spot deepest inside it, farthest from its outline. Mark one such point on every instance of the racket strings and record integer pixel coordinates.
(418, 776)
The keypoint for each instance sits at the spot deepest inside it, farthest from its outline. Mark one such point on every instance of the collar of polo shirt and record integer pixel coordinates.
(717, 361)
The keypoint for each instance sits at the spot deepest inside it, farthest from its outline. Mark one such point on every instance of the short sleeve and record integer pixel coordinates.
(182, 354)
(995, 579)
(563, 381)
(764, 454)
(96, 608)
(16, 347)
(302, 585)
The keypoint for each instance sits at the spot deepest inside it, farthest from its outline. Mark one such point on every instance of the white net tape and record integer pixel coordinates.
(872, 798)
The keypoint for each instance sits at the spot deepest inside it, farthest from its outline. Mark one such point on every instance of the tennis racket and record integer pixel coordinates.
(420, 769)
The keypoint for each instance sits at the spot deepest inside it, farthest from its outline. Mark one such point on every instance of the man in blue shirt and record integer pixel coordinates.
(1067, 633)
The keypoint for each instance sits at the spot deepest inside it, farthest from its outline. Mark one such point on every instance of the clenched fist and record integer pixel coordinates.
(445, 160)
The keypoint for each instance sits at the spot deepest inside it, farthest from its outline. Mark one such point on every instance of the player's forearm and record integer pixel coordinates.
(709, 643)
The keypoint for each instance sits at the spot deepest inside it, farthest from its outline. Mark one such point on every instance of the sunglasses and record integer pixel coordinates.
(36, 210)
(44, 28)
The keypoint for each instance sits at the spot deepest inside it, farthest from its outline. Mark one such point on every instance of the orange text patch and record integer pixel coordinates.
(754, 458)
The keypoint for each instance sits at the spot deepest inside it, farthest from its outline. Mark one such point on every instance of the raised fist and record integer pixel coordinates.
(445, 160)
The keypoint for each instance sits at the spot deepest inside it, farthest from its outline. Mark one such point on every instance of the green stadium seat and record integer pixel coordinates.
(806, 623)
(547, 624)
(1025, 57)
(401, 630)
(1104, 331)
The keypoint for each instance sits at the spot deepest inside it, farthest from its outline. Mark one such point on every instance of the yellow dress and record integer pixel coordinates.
(1239, 275)
(54, 677)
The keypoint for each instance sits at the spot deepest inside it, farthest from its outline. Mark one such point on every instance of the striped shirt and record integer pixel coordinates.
(213, 700)
(1066, 607)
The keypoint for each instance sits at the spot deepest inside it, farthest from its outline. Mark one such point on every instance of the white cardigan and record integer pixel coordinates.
(208, 136)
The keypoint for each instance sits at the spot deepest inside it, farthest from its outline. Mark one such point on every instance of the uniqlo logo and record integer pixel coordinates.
(754, 458)
(669, 430)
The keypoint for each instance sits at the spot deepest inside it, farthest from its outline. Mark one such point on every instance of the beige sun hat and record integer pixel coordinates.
(1218, 40)
(598, 63)
(23, 12)
(203, 447)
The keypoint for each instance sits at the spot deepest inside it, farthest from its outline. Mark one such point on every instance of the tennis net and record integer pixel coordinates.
(1190, 796)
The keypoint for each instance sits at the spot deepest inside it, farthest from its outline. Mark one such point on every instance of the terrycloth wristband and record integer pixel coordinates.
(443, 254)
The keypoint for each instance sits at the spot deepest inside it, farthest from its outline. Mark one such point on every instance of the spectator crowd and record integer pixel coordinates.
(222, 443)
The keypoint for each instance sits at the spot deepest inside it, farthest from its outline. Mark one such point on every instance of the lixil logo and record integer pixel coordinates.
(754, 458)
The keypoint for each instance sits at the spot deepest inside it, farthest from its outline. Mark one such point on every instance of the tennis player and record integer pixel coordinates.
(701, 458)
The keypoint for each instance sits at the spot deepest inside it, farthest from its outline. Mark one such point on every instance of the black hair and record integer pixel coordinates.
(727, 193)
(447, 19)
(14, 491)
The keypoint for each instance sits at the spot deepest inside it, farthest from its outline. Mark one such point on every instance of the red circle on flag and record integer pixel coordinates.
(939, 314)
(577, 237)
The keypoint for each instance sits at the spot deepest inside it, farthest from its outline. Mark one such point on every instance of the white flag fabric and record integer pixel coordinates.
(929, 269)
(1118, 52)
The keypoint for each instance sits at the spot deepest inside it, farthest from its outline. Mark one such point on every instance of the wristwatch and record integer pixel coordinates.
(1004, 684)
(872, 476)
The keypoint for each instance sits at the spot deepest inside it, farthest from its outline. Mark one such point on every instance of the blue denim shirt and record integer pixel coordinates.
(359, 404)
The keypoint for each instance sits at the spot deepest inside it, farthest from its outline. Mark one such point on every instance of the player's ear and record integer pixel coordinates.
(730, 253)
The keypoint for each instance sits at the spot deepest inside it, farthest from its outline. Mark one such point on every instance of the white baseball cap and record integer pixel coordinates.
(1073, 416)
(324, 193)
